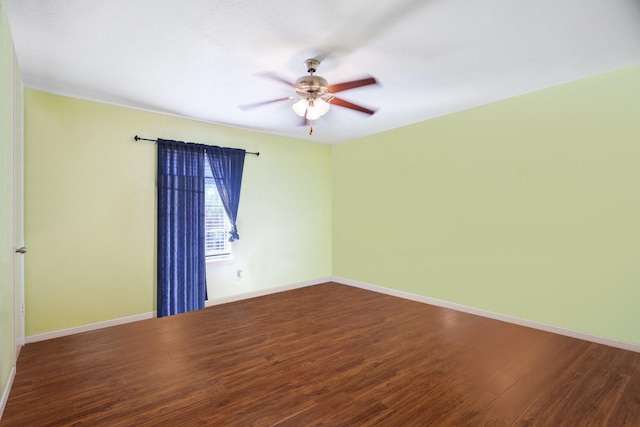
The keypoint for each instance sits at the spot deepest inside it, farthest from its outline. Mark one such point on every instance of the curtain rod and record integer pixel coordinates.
(137, 138)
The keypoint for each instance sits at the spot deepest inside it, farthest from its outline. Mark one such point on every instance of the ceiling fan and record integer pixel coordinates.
(315, 95)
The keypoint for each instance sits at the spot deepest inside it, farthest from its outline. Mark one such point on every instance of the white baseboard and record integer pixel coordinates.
(497, 316)
(89, 327)
(7, 389)
(380, 289)
(150, 315)
(263, 292)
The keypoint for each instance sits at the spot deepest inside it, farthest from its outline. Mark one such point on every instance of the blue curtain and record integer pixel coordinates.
(227, 165)
(181, 261)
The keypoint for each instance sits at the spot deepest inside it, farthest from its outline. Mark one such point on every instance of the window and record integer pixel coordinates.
(216, 223)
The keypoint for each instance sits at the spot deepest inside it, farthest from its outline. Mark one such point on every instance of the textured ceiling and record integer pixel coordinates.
(202, 59)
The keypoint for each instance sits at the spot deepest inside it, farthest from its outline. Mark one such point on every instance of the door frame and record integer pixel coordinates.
(18, 207)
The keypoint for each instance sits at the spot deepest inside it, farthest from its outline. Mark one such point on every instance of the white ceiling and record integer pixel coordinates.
(202, 59)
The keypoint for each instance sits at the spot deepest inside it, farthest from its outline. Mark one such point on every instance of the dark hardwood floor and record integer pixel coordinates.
(325, 355)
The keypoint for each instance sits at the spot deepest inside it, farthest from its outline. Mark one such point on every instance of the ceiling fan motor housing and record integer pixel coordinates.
(311, 86)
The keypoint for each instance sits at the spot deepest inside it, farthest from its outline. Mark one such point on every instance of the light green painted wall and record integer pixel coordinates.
(7, 105)
(90, 210)
(528, 207)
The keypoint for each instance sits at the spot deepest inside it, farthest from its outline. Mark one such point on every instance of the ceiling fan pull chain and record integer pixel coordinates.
(310, 130)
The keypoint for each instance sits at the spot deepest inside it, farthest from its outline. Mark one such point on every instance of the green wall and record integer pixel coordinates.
(90, 211)
(528, 207)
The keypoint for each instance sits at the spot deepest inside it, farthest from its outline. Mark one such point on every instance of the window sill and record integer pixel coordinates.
(220, 259)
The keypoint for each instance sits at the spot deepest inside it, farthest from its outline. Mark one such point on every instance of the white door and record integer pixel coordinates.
(18, 199)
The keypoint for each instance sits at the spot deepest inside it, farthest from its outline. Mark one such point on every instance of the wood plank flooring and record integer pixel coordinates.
(325, 355)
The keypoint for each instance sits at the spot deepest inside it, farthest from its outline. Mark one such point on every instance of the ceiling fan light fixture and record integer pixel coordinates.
(300, 107)
(317, 108)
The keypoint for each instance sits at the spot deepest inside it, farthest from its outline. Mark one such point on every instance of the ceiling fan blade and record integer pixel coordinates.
(351, 85)
(346, 104)
(260, 104)
(276, 78)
